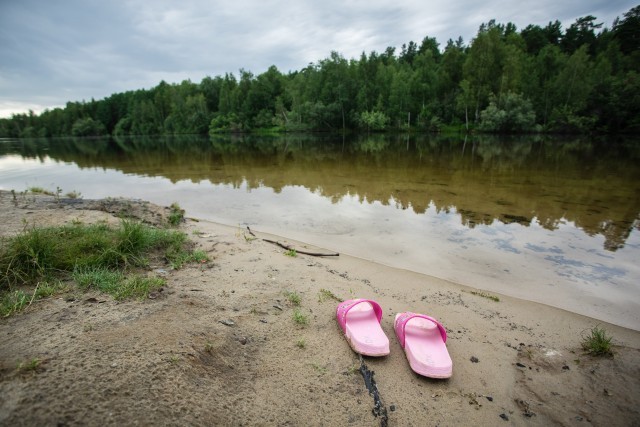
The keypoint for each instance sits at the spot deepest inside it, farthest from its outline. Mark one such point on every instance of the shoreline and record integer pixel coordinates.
(625, 316)
(170, 360)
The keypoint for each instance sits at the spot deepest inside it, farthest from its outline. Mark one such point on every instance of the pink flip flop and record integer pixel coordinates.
(360, 322)
(424, 341)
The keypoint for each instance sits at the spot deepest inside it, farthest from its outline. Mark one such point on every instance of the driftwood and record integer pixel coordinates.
(291, 248)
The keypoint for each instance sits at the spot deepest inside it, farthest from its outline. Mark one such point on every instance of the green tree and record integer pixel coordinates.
(88, 127)
(373, 120)
(483, 64)
(513, 114)
(580, 33)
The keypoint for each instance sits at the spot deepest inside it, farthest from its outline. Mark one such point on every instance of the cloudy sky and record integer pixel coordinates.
(52, 52)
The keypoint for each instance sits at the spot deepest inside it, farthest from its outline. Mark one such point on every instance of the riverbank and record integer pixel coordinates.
(219, 346)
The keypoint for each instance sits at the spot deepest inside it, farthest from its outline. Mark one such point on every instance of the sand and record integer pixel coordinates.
(219, 346)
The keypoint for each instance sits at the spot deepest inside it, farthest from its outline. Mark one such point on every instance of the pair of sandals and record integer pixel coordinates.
(422, 337)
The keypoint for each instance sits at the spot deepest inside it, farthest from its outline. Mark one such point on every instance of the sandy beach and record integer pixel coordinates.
(219, 346)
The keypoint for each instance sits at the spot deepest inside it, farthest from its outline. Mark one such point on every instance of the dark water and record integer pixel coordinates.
(549, 220)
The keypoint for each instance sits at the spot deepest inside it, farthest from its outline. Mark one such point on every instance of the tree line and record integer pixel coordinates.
(539, 79)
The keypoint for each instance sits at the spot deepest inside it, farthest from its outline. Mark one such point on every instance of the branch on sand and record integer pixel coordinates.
(291, 248)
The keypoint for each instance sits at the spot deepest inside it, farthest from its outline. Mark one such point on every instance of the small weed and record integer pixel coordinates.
(320, 369)
(29, 366)
(293, 298)
(138, 287)
(300, 318)
(13, 302)
(485, 295)
(351, 370)
(597, 343)
(325, 294)
(291, 253)
(301, 343)
(174, 360)
(73, 195)
(208, 347)
(46, 289)
(88, 327)
(40, 190)
(199, 256)
(181, 257)
(176, 214)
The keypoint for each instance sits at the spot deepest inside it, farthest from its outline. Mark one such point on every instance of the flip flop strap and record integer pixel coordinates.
(344, 307)
(401, 323)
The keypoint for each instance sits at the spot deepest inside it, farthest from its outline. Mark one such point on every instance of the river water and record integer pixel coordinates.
(551, 220)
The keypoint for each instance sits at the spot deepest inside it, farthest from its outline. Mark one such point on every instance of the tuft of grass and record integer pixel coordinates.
(300, 318)
(13, 302)
(29, 365)
(293, 298)
(116, 284)
(176, 214)
(325, 294)
(208, 347)
(100, 278)
(181, 258)
(292, 253)
(46, 252)
(138, 287)
(301, 343)
(485, 295)
(40, 190)
(73, 195)
(597, 342)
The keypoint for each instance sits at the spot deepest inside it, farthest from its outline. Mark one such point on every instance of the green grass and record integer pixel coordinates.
(40, 190)
(13, 302)
(16, 300)
(29, 366)
(116, 283)
(176, 216)
(597, 342)
(300, 318)
(325, 294)
(292, 253)
(301, 343)
(293, 298)
(485, 295)
(96, 256)
(181, 258)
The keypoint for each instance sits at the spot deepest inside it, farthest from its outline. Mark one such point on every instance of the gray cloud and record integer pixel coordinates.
(68, 50)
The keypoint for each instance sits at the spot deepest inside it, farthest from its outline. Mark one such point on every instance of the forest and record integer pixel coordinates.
(582, 79)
